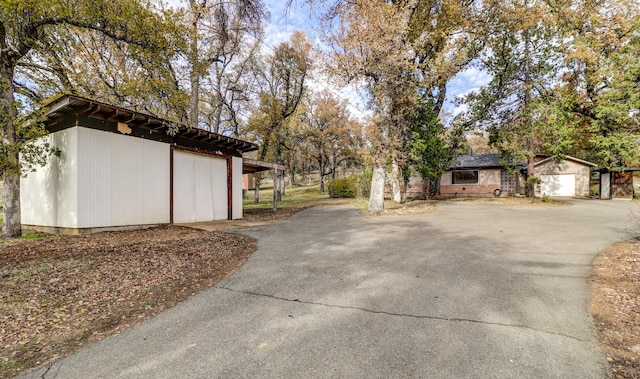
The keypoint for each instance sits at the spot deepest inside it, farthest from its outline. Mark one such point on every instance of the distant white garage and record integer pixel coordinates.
(558, 185)
(118, 168)
(566, 177)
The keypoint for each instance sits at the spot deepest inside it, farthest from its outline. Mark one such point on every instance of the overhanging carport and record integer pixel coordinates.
(252, 166)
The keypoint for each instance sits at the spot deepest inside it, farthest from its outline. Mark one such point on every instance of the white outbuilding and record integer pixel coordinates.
(120, 169)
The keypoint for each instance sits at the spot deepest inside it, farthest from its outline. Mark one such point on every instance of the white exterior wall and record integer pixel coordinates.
(237, 187)
(48, 197)
(123, 180)
(100, 180)
(104, 179)
(199, 188)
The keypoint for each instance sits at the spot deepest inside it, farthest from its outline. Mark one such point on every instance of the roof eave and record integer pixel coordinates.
(142, 120)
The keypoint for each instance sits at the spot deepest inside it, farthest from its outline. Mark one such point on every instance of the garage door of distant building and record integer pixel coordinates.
(200, 190)
(558, 185)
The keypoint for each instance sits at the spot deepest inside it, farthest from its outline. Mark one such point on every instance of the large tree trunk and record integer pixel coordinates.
(396, 179)
(195, 97)
(531, 186)
(194, 75)
(292, 179)
(527, 110)
(376, 197)
(10, 169)
(11, 205)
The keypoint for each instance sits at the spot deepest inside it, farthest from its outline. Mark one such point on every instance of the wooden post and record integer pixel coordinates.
(171, 184)
(276, 182)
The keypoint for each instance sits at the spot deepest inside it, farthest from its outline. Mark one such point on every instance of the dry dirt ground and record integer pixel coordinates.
(61, 293)
(615, 306)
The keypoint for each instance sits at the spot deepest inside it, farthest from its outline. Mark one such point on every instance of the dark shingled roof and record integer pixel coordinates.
(479, 161)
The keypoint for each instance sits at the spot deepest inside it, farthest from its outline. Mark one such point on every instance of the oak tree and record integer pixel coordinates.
(217, 33)
(330, 135)
(281, 79)
(399, 49)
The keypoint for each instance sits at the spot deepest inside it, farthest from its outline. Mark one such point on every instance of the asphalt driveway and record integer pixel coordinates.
(470, 291)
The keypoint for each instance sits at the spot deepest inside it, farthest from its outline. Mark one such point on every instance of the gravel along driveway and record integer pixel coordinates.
(470, 291)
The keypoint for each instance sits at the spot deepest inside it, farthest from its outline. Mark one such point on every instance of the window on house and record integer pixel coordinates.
(465, 177)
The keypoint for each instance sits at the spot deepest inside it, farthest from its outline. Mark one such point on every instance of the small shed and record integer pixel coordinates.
(567, 177)
(616, 183)
(119, 168)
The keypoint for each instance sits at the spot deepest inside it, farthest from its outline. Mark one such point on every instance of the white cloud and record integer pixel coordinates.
(467, 81)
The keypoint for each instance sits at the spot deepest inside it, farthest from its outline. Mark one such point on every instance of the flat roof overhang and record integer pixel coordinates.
(252, 166)
(98, 110)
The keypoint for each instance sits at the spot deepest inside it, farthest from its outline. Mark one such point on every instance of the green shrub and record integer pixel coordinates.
(342, 187)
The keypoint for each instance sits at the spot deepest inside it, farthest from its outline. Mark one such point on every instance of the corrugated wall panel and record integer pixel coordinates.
(94, 169)
(219, 188)
(204, 202)
(237, 187)
(184, 188)
(124, 180)
(48, 197)
(199, 188)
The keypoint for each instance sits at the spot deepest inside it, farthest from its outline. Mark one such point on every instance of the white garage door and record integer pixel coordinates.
(199, 188)
(558, 185)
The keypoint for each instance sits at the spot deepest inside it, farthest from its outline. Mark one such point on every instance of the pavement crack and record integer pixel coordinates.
(44, 374)
(407, 315)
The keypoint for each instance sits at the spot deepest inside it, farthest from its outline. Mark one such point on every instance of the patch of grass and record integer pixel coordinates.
(9, 365)
(294, 200)
(293, 197)
(27, 235)
(303, 197)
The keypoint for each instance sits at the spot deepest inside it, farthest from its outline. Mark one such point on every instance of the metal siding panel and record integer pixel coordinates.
(157, 191)
(237, 187)
(219, 188)
(125, 180)
(203, 189)
(94, 170)
(37, 194)
(68, 180)
(140, 181)
(199, 188)
(48, 196)
(184, 190)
